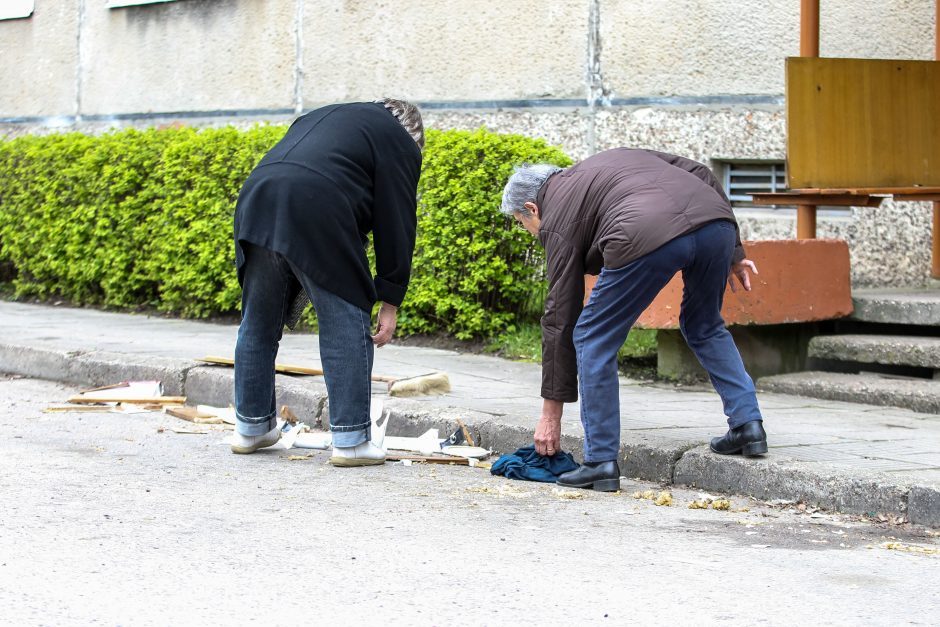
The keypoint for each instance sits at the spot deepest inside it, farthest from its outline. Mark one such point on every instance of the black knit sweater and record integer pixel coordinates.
(339, 173)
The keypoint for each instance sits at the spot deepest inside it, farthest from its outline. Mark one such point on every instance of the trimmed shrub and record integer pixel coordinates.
(475, 271)
(128, 219)
(143, 219)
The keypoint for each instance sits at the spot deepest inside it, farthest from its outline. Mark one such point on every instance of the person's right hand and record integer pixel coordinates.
(739, 270)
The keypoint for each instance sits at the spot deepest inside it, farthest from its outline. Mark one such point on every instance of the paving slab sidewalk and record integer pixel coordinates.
(843, 456)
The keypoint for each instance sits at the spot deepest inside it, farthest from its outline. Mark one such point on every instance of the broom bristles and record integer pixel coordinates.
(433, 383)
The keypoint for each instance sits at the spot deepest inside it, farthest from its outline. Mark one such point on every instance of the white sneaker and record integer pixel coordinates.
(245, 444)
(363, 454)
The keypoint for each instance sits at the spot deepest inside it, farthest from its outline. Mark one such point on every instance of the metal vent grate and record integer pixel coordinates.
(743, 179)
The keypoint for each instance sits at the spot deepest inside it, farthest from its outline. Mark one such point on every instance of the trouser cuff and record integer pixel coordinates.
(345, 439)
(254, 426)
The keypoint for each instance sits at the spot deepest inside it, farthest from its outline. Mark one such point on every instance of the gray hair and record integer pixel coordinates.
(523, 186)
(409, 117)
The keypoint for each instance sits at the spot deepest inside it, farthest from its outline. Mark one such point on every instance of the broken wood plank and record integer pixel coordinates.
(193, 415)
(457, 461)
(74, 408)
(283, 368)
(156, 400)
(289, 368)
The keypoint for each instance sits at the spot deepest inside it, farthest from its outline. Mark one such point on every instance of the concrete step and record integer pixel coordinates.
(923, 352)
(892, 306)
(920, 395)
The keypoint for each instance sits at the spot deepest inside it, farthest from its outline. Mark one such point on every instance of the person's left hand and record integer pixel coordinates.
(740, 270)
(548, 431)
(385, 329)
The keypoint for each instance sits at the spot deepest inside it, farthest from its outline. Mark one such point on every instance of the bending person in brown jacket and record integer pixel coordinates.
(636, 217)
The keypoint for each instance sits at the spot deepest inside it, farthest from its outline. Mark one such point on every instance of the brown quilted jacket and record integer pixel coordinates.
(607, 211)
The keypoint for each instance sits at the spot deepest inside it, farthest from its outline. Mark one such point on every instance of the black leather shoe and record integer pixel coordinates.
(749, 440)
(601, 476)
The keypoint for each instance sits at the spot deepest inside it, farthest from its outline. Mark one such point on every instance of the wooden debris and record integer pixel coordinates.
(193, 415)
(288, 414)
(156, 401)
(74, 408)
(186, 431)
(294, 369)
(283, 368)
(429, 459)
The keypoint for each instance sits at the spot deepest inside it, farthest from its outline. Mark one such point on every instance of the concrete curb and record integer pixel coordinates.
(95, 368)
(644, 456)
(769, 478)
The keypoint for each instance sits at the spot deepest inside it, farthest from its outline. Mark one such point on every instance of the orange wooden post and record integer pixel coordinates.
(809, 47)
(806, 222)
(809, 28)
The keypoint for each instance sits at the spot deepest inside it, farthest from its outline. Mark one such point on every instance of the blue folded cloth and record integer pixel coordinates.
(529, 465)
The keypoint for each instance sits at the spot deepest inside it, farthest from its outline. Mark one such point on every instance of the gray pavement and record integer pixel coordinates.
(114, 519)
(843, 456)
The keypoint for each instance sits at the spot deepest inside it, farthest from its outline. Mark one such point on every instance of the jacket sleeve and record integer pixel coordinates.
(393, 224)
(562, 308)
(705, 174)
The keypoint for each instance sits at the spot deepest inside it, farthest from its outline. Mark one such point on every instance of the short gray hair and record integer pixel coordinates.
(409, 117)
(523, 186)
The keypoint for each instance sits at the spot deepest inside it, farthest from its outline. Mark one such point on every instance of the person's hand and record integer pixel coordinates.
(548, 431)
(385, 327)
(740, 270)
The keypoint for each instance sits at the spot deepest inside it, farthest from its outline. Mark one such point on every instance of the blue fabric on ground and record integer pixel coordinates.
(529, 465)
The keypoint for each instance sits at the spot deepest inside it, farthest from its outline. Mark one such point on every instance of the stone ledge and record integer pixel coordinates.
(911, 306)
(789, 288)
(920, 395)
(878, 349)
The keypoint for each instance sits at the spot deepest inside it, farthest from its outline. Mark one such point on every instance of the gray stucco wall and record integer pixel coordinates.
(699, 78)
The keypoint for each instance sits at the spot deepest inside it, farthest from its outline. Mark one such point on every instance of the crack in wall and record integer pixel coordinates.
(597, 94)
(80, 61)
(298, 58)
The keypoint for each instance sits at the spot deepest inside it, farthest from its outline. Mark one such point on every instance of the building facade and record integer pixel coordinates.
(700, 78)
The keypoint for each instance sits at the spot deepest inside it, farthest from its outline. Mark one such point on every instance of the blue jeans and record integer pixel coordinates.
(618, 299)
(269, 285)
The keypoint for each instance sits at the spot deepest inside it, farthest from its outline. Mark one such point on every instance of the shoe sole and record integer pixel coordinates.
(349, 462)
(604, 485)
(248, 450)
(752, 449)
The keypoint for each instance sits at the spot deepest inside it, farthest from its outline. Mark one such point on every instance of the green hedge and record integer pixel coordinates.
(475, 271)
(143, 220)
(134, 219)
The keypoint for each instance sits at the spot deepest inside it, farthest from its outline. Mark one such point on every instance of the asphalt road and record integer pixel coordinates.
(114, 519)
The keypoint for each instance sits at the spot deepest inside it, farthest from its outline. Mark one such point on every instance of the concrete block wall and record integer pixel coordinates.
(703, 79)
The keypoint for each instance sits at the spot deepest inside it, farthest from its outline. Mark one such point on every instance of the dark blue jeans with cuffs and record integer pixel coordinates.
(620, 296)
(269, 285)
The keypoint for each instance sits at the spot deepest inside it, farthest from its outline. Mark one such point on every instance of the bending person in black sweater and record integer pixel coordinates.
(301, 227)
